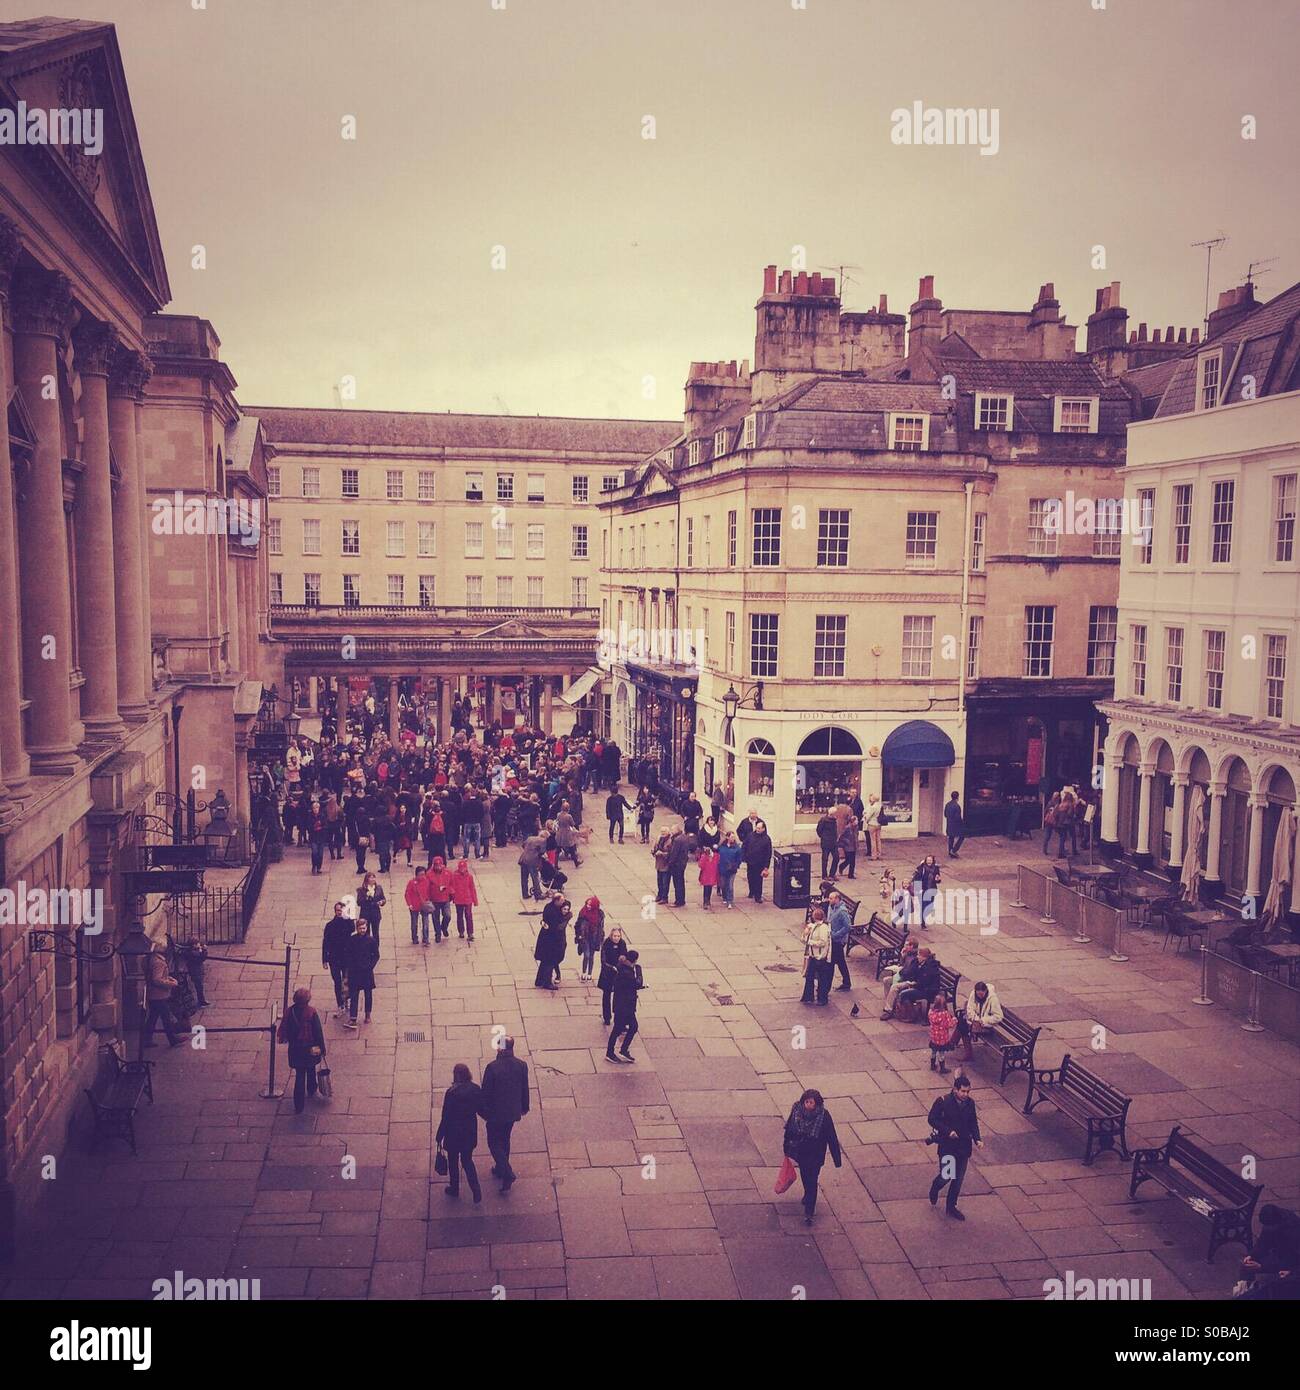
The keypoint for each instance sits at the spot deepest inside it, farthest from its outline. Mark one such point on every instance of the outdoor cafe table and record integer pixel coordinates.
(1147, 893)
(1287, 956)
(1092, 874)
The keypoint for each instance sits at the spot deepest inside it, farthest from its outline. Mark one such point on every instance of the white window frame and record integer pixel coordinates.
(986, 397)
(974, 639)
(273, 480)
(1058, 412)
(343, 536)
(580, 488)
(353, 581)
(472, 487)
(274, 537)
(693, 453)
(897, 418)
(978, 532)
(1137, 663)
(427, 590)
(343, 482)
(536, 591)
(311, 480)
(770, 645)
(504, 540)
(1175, 669)
(535, 542)
(830, 645)
(578, 594)
(1274, 694)
(916, 647)
(307, 596)
(580, 542)
(1285, 493)
(396, 583)
(1214, 664)
(719, 443)
(473, 540)
(1203, 385)
(426, 540)
(275, 590)
(311, 547)
(505, 487)
(1039, 650)
(395, 484)
(473, 591)
(921, 541)
(1043, 541)
(540, 494)
(1103, 640)
(505, 591)
(1223, 512)
(395, 535)
(749, 432)
(426, 485)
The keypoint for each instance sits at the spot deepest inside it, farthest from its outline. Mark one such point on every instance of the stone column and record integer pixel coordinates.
(546, 703)
(1178, 828)
(1211, 877)
(394, 718)
(94, 344)
(1255, 853)
(1110, 803)
(145, 533)
(1142, 850)
(313, 693)
(14, 765)
(492, 694)
(444, 709)
(42, 311)
(1293, 913)
(129, 371)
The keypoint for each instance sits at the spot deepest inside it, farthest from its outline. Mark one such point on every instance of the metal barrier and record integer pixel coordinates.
(1266, 1004)
(1056, 904)
(1066, 907)
(1106, 925)
(1031, 890)
(222, 918)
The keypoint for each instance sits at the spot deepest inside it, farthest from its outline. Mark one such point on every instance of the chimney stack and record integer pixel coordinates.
(1234, 305)
(926, 318)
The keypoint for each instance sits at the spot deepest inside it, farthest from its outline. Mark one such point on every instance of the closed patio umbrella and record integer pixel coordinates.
(1193, 866)
(1283, 852)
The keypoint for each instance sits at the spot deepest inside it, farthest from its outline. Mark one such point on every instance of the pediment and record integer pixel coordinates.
(57, 65)
(513, 627)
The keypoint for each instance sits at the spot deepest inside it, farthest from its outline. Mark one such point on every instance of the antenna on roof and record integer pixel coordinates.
(844, 279)
(1257, 268)
(1211, 246)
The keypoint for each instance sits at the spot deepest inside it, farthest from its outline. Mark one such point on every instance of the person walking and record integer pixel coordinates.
(729, 854)
(956, 1126)
(158, 995)
(708, 862)
(757, 858)
(847, 848)
(458, 1131)
(954, 824)
(438, 883)
(417, 903)
(828, 837)
(943, 1028)
(334, 954)
(625, 995)
(371, 902)
(679, 851)
(840, 920)
(1049, 821)
(530, 859)
(926, 878)
(301, 1029)
(550, 947)
(589, 934)
(613, 949)
(662, 856)
(318, 833)
(809, 1134)
(362, 957)
(566, 834)
(615, 805)
(817, 969)
(871, 825)
(645, 813)
(504, 1103)
(464, 893)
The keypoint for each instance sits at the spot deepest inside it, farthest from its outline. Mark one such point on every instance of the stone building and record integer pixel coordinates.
(855, 538)
(1205, 726)
(85, 712)
(459, 551)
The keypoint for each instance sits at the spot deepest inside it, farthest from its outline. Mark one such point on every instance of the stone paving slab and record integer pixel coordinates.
(656, 1181)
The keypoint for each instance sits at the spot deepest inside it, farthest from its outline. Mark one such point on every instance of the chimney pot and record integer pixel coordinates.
(1182, 335)
(785, 282)
(828, 285)
(1103, 300)
(815, 283)
(1133, 337)
(1142, 332)
(1196, 335)
(1048, 291)
(769, 279)
(1169, 334)
(1155, 335)
(884, 303)
(926, 288)
(801, 282)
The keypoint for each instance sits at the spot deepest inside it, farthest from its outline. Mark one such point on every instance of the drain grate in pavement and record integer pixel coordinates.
(413, 1037)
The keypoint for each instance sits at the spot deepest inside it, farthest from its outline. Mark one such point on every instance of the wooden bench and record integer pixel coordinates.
(1013, 1038)
(948, 982)
(857, 933)
(1096, 1107)
(116, 1092)
(1209, 1187)
(891, 938)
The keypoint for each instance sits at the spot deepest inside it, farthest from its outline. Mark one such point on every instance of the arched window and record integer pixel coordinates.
(828, 772)
(762, 767)
(830, 743)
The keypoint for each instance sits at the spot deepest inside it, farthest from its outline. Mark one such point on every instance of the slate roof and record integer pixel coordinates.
(287, 426)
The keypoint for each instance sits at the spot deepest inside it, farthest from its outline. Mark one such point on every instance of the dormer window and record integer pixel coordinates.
(909, 434)
(1209, 371)
(1076, 415)
(693, 453)
(993, 412)
(719, 443)
(749, 434)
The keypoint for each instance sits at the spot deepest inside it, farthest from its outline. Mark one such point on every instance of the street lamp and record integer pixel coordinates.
(177, 711)
(135, 951)
(731, 702)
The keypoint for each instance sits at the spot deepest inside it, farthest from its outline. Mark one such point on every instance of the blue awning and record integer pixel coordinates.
(918, 743)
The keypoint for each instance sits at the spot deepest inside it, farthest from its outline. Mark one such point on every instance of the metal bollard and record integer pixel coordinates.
(1204, 997)
(1047, 919)
(271, 1093)
(1252, 1023)
(1019, 900)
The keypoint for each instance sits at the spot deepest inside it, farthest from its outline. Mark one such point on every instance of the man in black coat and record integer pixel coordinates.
(458, 1131)
(679, 852)
(504, 1103)
(334, 953)
(757, 857)
(615, 804)
(625, 991)
(956, 1128)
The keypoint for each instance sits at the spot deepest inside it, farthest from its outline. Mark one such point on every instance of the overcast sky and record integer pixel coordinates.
(628, 258)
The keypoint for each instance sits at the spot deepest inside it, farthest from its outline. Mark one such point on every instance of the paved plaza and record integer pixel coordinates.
(655, 1181)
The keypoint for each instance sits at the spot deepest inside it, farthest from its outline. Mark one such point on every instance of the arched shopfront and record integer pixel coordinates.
(912, 780)
(828, 771)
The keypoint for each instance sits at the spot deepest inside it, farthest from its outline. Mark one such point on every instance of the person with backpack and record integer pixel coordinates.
(301, 1029)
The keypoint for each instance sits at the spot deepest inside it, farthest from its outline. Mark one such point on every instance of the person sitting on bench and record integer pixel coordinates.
(914, 982)
(982, 1011)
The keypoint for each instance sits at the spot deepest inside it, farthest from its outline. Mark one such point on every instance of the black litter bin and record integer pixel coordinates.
(792, 875)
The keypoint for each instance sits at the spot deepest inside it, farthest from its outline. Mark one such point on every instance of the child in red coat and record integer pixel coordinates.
(943, 1028)
(708, 862)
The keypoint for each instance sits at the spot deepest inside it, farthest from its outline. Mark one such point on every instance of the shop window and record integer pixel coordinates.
(828, 770)
(896, 795)
(762, 767)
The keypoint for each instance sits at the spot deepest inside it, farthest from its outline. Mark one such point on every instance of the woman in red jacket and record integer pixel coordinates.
(464, 893)
(438, 880)
(417, 901)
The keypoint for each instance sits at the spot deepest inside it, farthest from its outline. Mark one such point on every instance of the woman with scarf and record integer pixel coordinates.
(589, 934)
(612, 948)
(370, 902)
(809, 1132)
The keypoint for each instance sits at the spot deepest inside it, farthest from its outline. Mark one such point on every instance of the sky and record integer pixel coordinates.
(515, 130)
